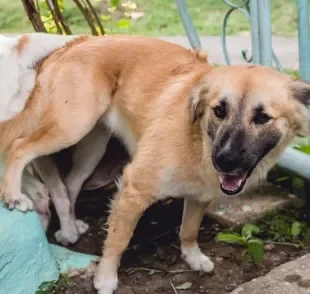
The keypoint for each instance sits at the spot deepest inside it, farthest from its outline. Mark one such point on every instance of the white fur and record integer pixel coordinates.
(106, 280)
(118, 125)
(18, 69)
(196, 259)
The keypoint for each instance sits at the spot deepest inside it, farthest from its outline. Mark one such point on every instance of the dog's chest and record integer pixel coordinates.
(172, 184)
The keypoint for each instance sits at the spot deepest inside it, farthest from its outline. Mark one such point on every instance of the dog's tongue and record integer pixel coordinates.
(232, 182)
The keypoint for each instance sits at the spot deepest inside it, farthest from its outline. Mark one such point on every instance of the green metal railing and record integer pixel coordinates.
(258, 14)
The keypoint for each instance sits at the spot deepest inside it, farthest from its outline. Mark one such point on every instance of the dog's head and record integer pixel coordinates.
(248, 116)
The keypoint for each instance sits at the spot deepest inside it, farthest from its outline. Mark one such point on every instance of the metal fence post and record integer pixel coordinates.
(265, 42)
(254, 31)
(188, 24)
(303, 38)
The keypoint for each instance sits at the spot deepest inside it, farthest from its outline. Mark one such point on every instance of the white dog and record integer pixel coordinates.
(19, 60)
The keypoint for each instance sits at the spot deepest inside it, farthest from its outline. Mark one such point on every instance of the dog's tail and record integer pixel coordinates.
(21, 125)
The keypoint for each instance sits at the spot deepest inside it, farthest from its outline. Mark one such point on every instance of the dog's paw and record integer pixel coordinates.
(197, 260)
(82, 227)
(66, 238)
(18, 200)
(105, 286)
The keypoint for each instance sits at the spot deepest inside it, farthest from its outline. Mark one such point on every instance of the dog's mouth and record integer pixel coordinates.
(232, 184)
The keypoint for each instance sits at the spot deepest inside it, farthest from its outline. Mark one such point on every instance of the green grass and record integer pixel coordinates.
(161, 18)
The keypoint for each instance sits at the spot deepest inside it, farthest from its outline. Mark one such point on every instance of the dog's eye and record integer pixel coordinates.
(220, 111)
(261, 118)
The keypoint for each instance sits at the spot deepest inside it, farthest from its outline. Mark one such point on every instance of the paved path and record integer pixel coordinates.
(285, 48)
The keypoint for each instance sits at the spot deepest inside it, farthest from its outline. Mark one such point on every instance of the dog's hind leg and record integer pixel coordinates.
(48, 171)
(88, 153)
(55, 134)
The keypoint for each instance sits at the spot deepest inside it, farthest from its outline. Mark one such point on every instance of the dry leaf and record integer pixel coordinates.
(184, 286)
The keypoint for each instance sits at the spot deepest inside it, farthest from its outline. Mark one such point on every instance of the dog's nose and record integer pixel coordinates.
(227, 160)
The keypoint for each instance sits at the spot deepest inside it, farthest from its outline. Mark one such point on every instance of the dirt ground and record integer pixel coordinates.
(153, 264)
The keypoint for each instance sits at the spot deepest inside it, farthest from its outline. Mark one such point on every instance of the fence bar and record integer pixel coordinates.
(254, 31)
(295, 162)
(303, 38)
(188, 24)
(264, 24)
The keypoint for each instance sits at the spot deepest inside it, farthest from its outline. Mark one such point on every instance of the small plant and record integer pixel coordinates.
(52, 16)
(284, 226)
(52, 286)
(254, 246)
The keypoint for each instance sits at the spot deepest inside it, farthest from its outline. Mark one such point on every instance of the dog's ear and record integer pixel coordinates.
(197, 103)
(301, 94)
(200, 55)
(301, 91)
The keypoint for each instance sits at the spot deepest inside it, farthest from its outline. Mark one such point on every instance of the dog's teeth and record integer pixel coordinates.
(221, 179)
(239, 183)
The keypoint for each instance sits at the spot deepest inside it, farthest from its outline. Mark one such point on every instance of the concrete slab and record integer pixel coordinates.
(68, 260)
(235, 211)
(288, 278)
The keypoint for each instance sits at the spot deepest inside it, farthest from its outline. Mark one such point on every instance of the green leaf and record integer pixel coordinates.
(230, 238)
(281, 179)
(123, 23)
(46, 287)
(111, 9)
(298, 182)
(305, 149)
(296, 229)
(115, 3)
(105, 17)
(248, 230)
(256, 250)
(184, 286)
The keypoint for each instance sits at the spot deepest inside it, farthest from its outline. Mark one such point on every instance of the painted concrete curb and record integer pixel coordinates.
(68, 260)
(26, 260)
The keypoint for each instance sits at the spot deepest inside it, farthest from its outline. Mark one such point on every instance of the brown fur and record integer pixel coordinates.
(159, 98)
(22, 43)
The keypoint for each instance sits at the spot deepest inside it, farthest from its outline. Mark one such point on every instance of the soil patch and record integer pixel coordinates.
(153, 264)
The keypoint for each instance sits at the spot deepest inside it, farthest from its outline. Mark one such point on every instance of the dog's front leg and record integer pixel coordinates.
(127, 208)
(192, 217)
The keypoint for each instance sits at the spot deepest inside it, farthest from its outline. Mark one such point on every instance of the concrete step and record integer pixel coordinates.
(288, 278)
(248, 208)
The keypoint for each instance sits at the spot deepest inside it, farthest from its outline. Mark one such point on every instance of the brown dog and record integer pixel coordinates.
(192, 131)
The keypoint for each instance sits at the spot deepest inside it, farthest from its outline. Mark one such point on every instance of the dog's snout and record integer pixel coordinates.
(228, 160)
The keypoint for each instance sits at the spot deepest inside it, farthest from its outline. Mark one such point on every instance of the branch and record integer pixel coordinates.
(51, 7)
(92, 9)
(85, 12)
(34, 16)
(61, 18)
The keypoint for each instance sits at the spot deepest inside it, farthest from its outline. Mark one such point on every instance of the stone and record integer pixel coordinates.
(250, 207)
(290, 278)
